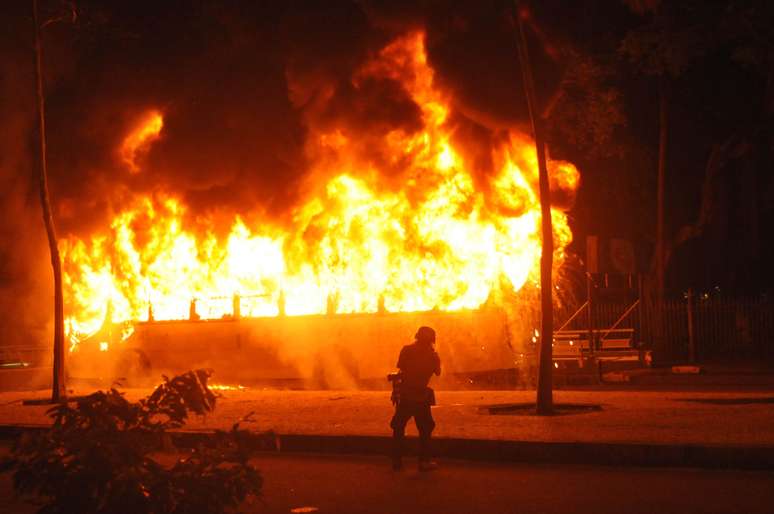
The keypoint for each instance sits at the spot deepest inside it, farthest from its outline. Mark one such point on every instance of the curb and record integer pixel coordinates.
(605, 454)
(500, 451)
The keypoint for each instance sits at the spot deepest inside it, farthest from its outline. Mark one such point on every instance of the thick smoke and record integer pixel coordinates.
(26, 294)
(241, 85)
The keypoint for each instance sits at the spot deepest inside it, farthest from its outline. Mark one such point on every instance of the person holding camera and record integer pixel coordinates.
(412, 397)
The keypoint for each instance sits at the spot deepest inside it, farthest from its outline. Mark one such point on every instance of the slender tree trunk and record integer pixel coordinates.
(58, 391)
(663, 137)
(768, 97)
(545, 366)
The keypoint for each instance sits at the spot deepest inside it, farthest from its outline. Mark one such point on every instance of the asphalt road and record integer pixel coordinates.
(367, 485)
(362, 485)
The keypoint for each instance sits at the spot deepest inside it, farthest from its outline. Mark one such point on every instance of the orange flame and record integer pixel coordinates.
(354, 245)
(140, 139)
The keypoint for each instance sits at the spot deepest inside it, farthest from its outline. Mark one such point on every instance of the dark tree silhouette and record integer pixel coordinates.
(545, 365)
(661, 48)
(58, 390)
(675, 37)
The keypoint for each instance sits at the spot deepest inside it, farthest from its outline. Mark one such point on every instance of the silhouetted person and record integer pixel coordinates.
(417, 363)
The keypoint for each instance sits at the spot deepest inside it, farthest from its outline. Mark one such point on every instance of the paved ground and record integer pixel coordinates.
(708, 418)
(366, 485)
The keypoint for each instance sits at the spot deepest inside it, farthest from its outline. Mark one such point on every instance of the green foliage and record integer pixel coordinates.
(101, 455)
(588, 109)
(660, 49)
(674, 36)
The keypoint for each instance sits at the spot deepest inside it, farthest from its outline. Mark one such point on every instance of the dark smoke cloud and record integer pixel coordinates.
(230, 136)
(471, 46)
(26, 294)
(240, 85)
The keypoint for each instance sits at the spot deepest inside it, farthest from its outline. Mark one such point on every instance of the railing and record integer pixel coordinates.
(723, 328)
(739, 328)
(607, 318)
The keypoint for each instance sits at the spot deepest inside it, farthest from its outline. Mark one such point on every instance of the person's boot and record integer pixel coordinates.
(426, 463)
(397, 451)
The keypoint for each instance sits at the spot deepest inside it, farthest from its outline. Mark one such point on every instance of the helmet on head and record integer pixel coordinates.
(425, 335)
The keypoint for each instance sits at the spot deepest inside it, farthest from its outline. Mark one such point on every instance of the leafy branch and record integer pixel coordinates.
(101, 455)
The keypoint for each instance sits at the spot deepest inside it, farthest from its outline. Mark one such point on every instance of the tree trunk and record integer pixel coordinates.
(719, 157)
(58, 391)
(545, 366)
(663, 135)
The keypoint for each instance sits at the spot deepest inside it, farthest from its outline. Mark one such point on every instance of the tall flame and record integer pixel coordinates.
(355, 244)
(140, 139)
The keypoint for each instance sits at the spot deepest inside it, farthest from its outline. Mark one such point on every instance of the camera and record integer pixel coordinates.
(394, 377)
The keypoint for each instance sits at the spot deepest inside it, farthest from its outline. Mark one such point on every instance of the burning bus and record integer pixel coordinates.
(388, 234)
(354, 350)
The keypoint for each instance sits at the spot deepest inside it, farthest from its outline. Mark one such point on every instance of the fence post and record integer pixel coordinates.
(691, 337)
(590, 317)
(641, 337)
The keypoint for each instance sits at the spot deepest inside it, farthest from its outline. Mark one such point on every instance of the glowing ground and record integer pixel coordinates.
(718, 418)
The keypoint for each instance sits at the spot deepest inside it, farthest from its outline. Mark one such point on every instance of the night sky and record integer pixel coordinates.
(238, 83)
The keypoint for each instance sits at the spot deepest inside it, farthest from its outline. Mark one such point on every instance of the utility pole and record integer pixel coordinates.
(58, 389)
(545, 361)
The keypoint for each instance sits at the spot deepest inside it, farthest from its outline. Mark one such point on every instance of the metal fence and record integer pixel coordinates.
(707, 328)
(723, 328)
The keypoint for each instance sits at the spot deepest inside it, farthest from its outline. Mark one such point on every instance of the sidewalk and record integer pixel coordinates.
(733, 429)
